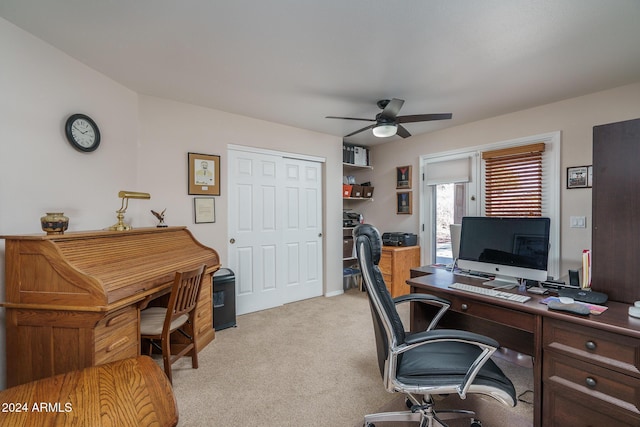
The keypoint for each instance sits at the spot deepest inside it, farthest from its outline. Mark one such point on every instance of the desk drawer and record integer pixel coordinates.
(388, 280)
(613, 351)
(492, 312)
(203, 318)
(204, 311)
(594, 382)
(116, 336)
(564, 408)
(385, 264)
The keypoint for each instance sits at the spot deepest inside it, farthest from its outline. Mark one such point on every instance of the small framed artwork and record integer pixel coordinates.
(578, 177)
(403, 177)
(204, 174)
(404, 203)
(204, 209)
(590, 176)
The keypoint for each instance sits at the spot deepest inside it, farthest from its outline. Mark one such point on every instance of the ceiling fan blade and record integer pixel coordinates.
(392, 109)
(403, 132)
(349, 118)
(423, 117)
(360, 130)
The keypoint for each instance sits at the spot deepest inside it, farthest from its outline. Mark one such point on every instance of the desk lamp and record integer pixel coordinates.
(126, 195)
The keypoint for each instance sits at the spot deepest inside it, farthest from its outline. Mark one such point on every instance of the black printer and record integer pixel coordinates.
(399, 239)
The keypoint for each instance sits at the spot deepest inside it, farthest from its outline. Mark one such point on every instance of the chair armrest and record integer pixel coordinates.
(421, 298)
(426, 299)
(486, 344)
(451, 335)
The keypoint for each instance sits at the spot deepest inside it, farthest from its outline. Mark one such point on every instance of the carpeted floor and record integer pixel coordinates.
(309, 363)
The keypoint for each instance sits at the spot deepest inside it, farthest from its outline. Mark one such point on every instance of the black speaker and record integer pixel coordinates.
(574, 278)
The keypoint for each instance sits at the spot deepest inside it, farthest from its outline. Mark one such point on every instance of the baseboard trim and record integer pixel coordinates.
(333, 294)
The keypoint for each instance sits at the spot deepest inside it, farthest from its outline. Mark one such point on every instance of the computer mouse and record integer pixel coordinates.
(566, 300)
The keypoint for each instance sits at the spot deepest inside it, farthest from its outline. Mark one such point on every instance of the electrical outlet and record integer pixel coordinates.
(578, 222)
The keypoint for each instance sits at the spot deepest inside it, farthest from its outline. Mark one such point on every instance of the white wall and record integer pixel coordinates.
(169, 130)
(575, 119)
(39, 171)
(143, 148)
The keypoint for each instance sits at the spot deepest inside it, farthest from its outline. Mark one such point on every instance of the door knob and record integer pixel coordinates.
(232, 241)
(319, 234)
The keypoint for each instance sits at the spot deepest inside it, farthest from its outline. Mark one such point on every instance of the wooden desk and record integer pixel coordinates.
(130, 392)
(586, 369)
(73, 300)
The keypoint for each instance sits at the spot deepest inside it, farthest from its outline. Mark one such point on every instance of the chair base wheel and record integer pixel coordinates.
(475, 423)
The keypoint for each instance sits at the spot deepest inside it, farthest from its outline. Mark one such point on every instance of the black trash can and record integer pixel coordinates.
(224, 299)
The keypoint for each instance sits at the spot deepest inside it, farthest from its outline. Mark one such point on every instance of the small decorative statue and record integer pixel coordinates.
(160, 217)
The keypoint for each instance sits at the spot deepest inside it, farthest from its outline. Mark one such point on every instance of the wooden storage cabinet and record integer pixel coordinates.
(590, 376)
(616, 196)
(395, 265)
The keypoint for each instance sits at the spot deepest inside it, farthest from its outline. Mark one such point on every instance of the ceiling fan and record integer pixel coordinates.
(388, 123)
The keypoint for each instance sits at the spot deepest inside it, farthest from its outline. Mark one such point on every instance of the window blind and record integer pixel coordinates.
(446, 171)
(513, 181)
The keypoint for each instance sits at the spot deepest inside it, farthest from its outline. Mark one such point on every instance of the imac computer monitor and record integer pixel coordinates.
(508, 248)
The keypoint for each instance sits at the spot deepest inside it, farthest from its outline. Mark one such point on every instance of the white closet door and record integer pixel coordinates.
(302, 229)
(275, 206)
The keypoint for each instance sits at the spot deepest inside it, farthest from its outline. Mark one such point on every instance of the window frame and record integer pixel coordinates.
(551, 182)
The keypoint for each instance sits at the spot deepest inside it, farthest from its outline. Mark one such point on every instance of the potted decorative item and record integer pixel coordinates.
(54, 223)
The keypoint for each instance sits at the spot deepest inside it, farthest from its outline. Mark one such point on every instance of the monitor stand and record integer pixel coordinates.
(502, 282)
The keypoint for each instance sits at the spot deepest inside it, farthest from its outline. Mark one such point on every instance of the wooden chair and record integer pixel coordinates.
(158, 323)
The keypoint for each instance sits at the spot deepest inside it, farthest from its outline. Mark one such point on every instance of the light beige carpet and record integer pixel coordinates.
(309, 363)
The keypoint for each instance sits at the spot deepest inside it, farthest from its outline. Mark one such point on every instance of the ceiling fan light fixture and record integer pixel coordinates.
(385, 130)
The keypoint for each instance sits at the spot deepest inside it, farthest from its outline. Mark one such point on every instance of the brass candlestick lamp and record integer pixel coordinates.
(126, 195)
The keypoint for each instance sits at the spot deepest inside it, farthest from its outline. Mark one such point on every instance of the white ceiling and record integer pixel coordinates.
(297, 61)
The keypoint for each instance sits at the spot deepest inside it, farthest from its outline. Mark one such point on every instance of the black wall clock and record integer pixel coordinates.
(82, 132)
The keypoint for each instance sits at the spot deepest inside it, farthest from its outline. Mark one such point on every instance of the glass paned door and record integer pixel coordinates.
(449, 202)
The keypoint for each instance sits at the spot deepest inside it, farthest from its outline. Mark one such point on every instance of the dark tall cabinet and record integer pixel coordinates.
(616, 210)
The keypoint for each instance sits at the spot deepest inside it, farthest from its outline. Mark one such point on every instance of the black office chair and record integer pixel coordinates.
(427, 363)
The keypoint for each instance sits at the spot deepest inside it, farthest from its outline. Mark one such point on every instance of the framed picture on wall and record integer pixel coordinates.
(403, 177)
(578, 177)
(404, 203)
(204, 209)
(204, 174)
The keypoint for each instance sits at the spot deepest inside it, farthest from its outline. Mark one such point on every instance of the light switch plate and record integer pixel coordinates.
(578, 222)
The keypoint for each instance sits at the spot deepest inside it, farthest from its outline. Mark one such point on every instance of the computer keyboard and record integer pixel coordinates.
(490, 292)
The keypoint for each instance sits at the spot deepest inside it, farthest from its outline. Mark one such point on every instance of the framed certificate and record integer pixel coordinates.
(204, 209)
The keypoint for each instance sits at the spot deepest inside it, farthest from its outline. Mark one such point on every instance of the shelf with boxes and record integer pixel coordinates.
(357, 192)
(356, 168)
(351, 190)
